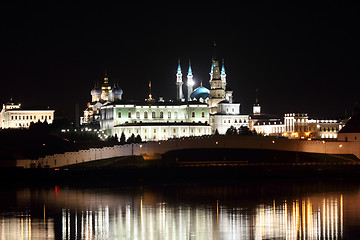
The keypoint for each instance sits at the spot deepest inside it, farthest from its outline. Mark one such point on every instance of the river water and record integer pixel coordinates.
(312, 209)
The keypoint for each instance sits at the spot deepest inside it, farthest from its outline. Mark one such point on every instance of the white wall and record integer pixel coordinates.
(218, 141)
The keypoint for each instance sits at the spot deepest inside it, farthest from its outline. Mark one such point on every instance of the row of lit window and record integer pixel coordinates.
(30, 117)
(236, 121)
(174, 130)
(153, 115)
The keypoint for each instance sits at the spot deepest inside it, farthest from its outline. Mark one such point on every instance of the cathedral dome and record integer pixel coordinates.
(95, 91)
(117, 90)
(200, 92)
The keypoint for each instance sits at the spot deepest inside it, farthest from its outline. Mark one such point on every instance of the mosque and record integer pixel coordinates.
(201, 112)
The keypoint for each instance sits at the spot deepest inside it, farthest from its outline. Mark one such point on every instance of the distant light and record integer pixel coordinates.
(273, 141)
(340, 146)
(216, 143)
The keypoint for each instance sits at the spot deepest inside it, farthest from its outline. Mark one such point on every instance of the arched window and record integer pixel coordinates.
(176, 115)
(145, 114)
(202, 114)
(169, 114)
(129, 115)
(161, 114)
(193, 114)
(137, 114)
(153, 114)
(119, 114)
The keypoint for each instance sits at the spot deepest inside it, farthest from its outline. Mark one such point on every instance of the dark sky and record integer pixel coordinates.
(301, 57)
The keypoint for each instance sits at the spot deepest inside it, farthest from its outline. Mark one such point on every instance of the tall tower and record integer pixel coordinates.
(179, 83)
(190, 82)
(217, 90)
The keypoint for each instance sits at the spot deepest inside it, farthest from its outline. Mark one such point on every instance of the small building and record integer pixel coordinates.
(13, 115)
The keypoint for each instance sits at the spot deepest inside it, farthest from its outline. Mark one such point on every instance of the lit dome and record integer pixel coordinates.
(200, 92)
(96, 91)
(117, 90)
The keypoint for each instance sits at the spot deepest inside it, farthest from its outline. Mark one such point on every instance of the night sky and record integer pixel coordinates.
(301, 57)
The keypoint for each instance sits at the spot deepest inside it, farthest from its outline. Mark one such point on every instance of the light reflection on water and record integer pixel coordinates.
(177, 213)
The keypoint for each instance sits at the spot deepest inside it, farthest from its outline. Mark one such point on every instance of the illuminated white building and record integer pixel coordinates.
(202, 112)
(13, 115)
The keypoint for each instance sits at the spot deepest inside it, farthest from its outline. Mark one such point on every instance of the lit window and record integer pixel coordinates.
(154, 130)
(174, 130)
(164, 130)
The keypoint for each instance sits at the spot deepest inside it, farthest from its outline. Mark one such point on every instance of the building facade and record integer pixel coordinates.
(13, 115)
(195, 112)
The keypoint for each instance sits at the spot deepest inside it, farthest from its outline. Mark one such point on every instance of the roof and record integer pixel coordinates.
(154, 103)
(200, 92)
(22, 109)
(352, 126)
(265, 116)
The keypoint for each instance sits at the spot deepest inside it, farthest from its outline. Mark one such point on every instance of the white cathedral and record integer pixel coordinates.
(201, 112)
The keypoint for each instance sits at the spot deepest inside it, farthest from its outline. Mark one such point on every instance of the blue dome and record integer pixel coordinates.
(117, 91)
(200, 92)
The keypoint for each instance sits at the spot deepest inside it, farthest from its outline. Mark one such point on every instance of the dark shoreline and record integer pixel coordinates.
(168, 175)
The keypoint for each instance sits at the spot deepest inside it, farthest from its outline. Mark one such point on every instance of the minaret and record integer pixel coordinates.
(223, 75)
(179, 83)
(190, 82)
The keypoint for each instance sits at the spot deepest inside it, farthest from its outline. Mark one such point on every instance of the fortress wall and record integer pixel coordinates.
(220, 141)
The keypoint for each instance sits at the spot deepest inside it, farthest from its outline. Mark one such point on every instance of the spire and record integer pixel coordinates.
(223, 68)
(179, 83)
(190, 82)
(150, 95)
(223, 75)
(214, 57)
(190, 71)
(106, 79)
(179, 68)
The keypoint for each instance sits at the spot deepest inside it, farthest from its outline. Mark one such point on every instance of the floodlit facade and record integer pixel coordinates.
(195, 112)
(13, 115)
(201, 112)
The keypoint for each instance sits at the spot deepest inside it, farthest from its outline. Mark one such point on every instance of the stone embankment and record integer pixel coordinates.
(154, 150)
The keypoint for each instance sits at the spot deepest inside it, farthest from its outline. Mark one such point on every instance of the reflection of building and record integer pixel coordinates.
(13, 115)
